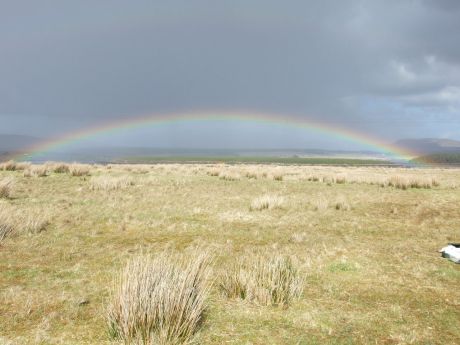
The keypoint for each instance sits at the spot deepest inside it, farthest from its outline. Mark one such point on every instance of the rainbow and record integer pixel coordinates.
(342, 133)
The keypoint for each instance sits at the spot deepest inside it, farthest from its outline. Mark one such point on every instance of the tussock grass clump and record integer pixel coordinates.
(14, 166)
(33, 223)
(36, 171)
(340, 179)
(27, 173)
(342, 204)
(320, 204)
(314, 178)
(229, 176)
(12, 222)
(79, 169)
(6, 187)
(111, 183)
(403, 182)
(277, 176)
(266, 202)
(263, 279)
(251, 174)
(39, 171)
(6, 224)
(159, 300)
(61, 168)
(213, 172)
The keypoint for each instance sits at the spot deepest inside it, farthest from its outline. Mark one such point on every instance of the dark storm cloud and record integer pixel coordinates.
(366, 63)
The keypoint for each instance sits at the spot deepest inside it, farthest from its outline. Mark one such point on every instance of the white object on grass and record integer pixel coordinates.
(452, 253)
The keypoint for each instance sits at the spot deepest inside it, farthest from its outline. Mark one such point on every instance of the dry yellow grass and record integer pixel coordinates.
(371, 273)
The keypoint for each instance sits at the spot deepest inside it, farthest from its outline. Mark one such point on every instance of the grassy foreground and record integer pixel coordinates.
(364, 241)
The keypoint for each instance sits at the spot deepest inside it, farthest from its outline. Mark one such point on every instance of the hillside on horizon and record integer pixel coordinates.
(425, 146)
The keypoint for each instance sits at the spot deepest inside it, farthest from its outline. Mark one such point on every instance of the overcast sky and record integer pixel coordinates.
(388, 68)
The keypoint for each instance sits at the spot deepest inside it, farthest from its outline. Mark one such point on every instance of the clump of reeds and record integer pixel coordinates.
(263, 279)
(159, 300)
(111, 183)
(266, 202)
(6, 187)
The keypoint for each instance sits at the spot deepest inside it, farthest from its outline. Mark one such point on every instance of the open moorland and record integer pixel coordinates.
(222, 254)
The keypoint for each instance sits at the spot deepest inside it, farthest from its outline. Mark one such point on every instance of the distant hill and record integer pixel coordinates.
(446, 158)
(13, 142)
(428, 146)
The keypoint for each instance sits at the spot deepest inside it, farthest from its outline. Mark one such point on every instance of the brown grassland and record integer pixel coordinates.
(227, 254)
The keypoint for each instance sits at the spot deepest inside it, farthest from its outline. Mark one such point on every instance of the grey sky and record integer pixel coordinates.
(389, 68)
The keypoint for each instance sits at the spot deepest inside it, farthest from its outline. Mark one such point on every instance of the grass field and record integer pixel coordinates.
(358, 246)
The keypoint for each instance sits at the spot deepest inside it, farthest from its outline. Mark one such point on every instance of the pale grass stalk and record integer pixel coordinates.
(159, 300)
